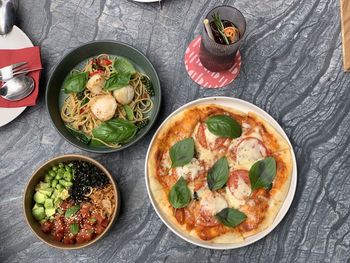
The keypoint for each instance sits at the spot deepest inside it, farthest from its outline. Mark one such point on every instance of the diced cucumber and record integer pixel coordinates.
(37, 205)
(48, 203)
(54, 183)
(64, 194)
(52, 173)
(39, 197)
(67, 176)
(68, 169)
(42, 185)
(59, 176)
(60, 165)
(59, 187)
(47, 192)
(38, 213)
(57, 201)
(47, 179)
(55, 168)
(50, 211)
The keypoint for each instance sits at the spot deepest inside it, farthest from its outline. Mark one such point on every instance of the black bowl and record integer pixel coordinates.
(81, 54)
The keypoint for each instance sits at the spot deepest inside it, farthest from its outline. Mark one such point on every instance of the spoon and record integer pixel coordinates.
(7, 16)
(17, 88)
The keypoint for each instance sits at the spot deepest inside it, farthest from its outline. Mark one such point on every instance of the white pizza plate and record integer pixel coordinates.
(243, 106)
(14, 40)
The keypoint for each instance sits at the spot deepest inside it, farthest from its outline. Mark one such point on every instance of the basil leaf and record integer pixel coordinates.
(224, 126)
(115, 131)
(74, 228)
(75, 82)
(182, 152)
(129, 113)
(123, 66)
(218, 174)
(180, 195)
(79, 135)
(262, 173)
(72, 211)
(117, 81)
(230, 217)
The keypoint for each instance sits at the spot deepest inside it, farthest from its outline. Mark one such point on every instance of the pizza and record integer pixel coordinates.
(219, 174)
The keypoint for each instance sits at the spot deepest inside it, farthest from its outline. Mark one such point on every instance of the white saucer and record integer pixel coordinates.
(14, 40)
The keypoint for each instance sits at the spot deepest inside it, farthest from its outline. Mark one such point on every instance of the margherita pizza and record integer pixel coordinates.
(219, 174)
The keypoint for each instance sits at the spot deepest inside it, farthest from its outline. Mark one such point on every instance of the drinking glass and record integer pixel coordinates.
(219, 57)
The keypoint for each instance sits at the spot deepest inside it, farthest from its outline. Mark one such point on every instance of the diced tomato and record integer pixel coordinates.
(201, 135)
(59, 224)
(99, 71)
(99, 218)
(85, 212)
(58, 236)
(68, 239)
(105, 61)
(99, 229)
(47, 226)
(82, 109)
(104, 223)
(84, 236)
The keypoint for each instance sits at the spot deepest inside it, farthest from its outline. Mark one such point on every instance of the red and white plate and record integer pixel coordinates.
(243, 106)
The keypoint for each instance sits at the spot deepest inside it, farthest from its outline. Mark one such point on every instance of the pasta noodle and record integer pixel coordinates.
(76, 107)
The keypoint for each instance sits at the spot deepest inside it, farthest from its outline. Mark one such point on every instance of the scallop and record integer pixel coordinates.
(124, 95)
(103, 107)
(96, 83)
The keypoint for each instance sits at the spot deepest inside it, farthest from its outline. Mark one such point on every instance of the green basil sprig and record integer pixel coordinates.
(117, 81)
(230, 217)
(262, 173)
(115, 131)
(72, 210)
(180, 195)
(218, 174)
(123, 66)
(224, 126)
(79, 135)
(74, 228)
(75, 83)
(182, 152)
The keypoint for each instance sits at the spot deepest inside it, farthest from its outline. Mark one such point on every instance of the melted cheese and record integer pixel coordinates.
(213, 203)
(240, 193)
(189, 171)
(250, 151)
(210, 137)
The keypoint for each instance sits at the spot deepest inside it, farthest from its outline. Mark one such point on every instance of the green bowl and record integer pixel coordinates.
(81, 54)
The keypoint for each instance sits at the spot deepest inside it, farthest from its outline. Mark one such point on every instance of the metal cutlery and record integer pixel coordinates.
(7, 16)
(17, 88)
(20, 72)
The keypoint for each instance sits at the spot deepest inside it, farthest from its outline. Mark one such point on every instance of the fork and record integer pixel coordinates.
(23, 71)
(14, 67)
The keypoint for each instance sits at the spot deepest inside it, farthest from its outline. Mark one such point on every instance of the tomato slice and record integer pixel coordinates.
(105, 61)
(200, 136)
(220, 144)
(249, 149)
(239, 184)
(207, 219)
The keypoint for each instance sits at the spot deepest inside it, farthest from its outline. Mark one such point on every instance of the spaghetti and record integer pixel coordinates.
(76, 112)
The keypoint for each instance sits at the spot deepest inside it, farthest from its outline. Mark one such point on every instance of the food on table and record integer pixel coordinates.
(74, 203)
(107, 102)
(223, 31)
(222, 175)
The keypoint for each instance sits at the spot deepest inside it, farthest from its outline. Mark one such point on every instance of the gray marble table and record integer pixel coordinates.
(292, 68)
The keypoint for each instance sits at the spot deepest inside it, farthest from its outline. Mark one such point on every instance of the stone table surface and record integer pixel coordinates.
(292, 68)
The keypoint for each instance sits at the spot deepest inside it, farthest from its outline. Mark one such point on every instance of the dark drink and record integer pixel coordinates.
(216, 52)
